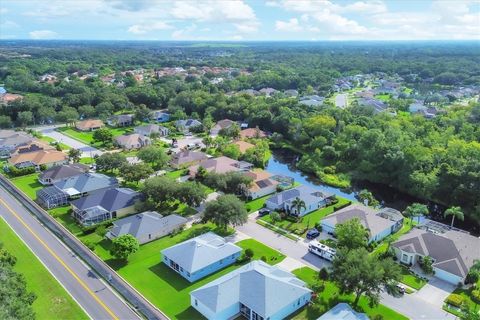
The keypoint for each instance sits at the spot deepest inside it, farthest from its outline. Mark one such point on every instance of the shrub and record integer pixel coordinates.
(249, 253)
(377, 317)
(455, 300)
(323, 274)
(15, 172)
(318, 226)
(263, 258)
(476, 295)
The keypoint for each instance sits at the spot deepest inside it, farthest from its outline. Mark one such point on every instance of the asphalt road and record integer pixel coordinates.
(87, 151)
(91, 293)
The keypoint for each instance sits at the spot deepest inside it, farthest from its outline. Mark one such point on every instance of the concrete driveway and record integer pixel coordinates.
(435, 292)
(185, 141)
(87, 151)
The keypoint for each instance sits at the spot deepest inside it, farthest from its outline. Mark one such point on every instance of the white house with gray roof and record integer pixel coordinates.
(150, 129)
(453, 252)
(146, 226)
(255, 291)
(187, 125)
(313, 198)
(379, 223)
(203, 255)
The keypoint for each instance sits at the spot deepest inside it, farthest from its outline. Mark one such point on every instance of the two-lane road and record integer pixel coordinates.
(93, 295)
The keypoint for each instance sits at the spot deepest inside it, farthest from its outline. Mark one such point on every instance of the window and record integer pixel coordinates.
(404, 257)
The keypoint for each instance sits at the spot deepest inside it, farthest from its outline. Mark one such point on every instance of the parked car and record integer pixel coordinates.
(263, 212)
(401, 288)
(312, 233)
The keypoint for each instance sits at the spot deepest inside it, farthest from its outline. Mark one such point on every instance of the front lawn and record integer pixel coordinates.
(28, 184)
(51, 140)
(175, 174)
(383, 97)
(52, 301)
(256, 204)
(331, 296)
(308, 221)
(87, 136)
(412, 280)
(466, 295)
(162, 286)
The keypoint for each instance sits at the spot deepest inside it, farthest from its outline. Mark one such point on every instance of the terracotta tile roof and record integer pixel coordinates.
(39, 157)
(252, 133)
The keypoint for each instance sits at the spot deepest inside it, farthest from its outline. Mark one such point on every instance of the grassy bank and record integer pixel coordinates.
(52, 302)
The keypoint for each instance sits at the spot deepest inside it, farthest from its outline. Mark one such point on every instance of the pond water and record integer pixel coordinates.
(284, 162)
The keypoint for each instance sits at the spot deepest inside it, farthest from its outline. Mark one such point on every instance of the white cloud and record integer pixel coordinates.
(43, 34)
(9, 24)
(218, 11)
(3, 10)
(185, 33)
(291, 25)
(144, 28)
(370, 7)
(247, 26)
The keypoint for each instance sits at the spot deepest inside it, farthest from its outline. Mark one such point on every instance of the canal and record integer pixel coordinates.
(284, 161)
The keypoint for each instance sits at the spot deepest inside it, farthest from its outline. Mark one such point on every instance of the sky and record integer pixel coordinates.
(240, 20)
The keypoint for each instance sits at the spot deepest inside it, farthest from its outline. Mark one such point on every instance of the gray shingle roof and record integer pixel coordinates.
(303, 192)
(197, 253)
(452, 251)
(369, 218)
(149, 222)
(86, 182)
(64, 171)
(263, 288)
(110, 200)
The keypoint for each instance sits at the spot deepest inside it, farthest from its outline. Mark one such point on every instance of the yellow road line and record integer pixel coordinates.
(80, 281)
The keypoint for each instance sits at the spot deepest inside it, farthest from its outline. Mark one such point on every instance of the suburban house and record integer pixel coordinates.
(262, 184)
(343, 311)
(33, 146)
(221, 165)
(6, 98)
(291, 93)
(379, 223)
(187, 125)
(222, 124)
(149, 129)
(268, 91)
(453, 251)
(186, 158)
(132, 141)
(10, 140)
(254, 133)
(160, 116)
(243, 146)
(120, 120)
(89, 125)
(105, 205)
(200, 256)
(255, 291)
(313, 198)
(146, 226)
(57, 173)
(74, 187)
(312, 101)
(48, 158)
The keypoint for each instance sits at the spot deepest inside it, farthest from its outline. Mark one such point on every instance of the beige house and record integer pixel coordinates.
(49, 158)
(132, 141)
(221, 165)
(243, 146)
(261, 185)
(252, 133)
(89, 125)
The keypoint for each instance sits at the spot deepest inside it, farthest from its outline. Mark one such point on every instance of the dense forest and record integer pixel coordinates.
(432, 159)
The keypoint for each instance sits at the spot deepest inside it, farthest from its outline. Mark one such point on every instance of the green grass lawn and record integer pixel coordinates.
(256, 204)
(52, 302)
(164, 287)
(87, 160)
(307, 221)
(407, 226)
(467, 296)
(331, 296)
(383, 97)
(412, 280)
(87, 137)
(174, 174)
(28, 184)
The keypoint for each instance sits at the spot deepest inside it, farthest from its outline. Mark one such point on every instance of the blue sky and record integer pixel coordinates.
(240, 20)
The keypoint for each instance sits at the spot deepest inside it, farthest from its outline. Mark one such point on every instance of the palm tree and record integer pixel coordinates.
(455, 212)
(298, 204)
(416, 210)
